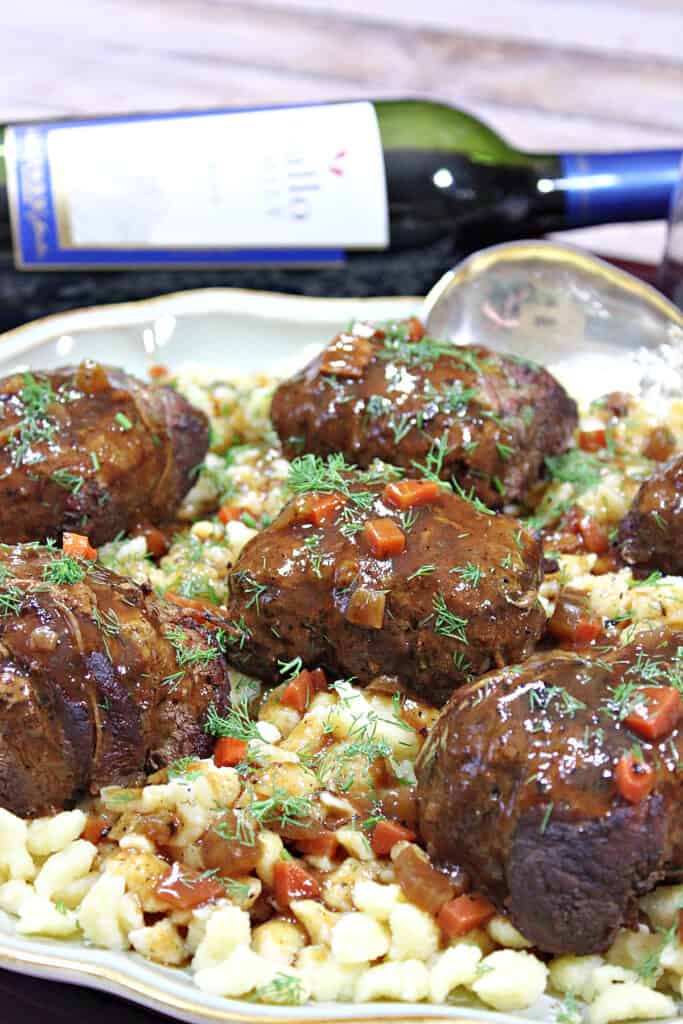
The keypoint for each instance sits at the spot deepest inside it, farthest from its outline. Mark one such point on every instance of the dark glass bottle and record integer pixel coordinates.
(378, 197)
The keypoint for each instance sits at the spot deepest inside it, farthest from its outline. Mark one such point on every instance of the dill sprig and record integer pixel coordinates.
(63, 570)
(237, 723)
(11, 600)
(67, 480)
(446, 623)
(469, 573)
(36, 396)
(471, 498)
(575, 467)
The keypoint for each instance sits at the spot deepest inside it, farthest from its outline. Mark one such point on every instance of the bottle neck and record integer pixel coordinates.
(599, 188)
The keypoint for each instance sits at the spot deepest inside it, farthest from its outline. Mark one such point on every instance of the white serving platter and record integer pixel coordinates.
(235, 332)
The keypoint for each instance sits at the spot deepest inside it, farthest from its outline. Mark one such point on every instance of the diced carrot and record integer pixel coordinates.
(656, 712)
(323, 845)
(76, 545)
(323, 507)
(183, 888)
(229, 751)
(366, 608)
(384, 537)
(386, 834)
(157, 371)
(405, 494)
(634, 779)
(291, 881)
(595, 537)
(593, 440)
(587, 630)
(464, 913)
(416, 329)
(571, 622)
(229, 513)
(298, 692)
(95, 829)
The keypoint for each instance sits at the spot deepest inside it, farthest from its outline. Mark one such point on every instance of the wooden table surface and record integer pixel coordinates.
(550, 74)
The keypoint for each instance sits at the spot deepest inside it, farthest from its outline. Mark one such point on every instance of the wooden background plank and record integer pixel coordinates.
(592, 74)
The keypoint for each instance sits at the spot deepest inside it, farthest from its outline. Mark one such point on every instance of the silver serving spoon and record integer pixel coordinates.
(596, 327)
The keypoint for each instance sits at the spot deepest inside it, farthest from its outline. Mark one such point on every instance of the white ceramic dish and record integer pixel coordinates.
(238, 332)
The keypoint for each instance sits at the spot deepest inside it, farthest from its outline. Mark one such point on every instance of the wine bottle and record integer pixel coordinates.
(123, 207)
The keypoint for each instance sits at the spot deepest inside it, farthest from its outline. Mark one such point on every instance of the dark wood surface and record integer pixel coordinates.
(26, 1000)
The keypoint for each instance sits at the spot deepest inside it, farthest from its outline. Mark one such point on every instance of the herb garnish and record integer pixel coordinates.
(446, 623)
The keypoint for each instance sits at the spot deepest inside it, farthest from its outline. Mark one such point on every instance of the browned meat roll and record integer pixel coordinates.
(651, 533)
(92, 450)
(365, 575)
(100, 681)
(396, 395)
(556, 784)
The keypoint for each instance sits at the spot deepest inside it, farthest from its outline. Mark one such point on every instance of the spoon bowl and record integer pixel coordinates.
(595, 327)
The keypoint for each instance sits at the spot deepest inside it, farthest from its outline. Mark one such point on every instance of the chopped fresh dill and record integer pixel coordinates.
(659, 520)
(408, 519)
(456, 397)
(432, 467)
(315, 555)
(11, 600)
(649, 581)
(504, 450)
(401, 427)
(64, 570)
(575, 467)
(236, 634)
(123, 421)
(424, 570)
(471, 498)
(237, 723)
(544, 696)
(252, 588)
(290, 669)
(446, 623)
(282, 990)
(186, 654)
(184, 768)
(546, 817)
(470, 573)
(67, 480)
(648, 969)
(35, 426)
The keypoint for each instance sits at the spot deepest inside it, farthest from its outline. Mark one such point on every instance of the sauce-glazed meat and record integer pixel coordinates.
(651, 533)
(365, 577)
(557, 786)
(99, 680)
(92, 450)
(395, 395)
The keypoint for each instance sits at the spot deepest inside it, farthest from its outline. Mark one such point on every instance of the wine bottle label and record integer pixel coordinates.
(288, 185)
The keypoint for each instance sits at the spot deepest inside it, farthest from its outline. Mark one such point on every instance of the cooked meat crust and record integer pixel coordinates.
(516, 784)
(461, 598)
(380, 394)
(92, 450)
(100, 682)
(651, 533)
